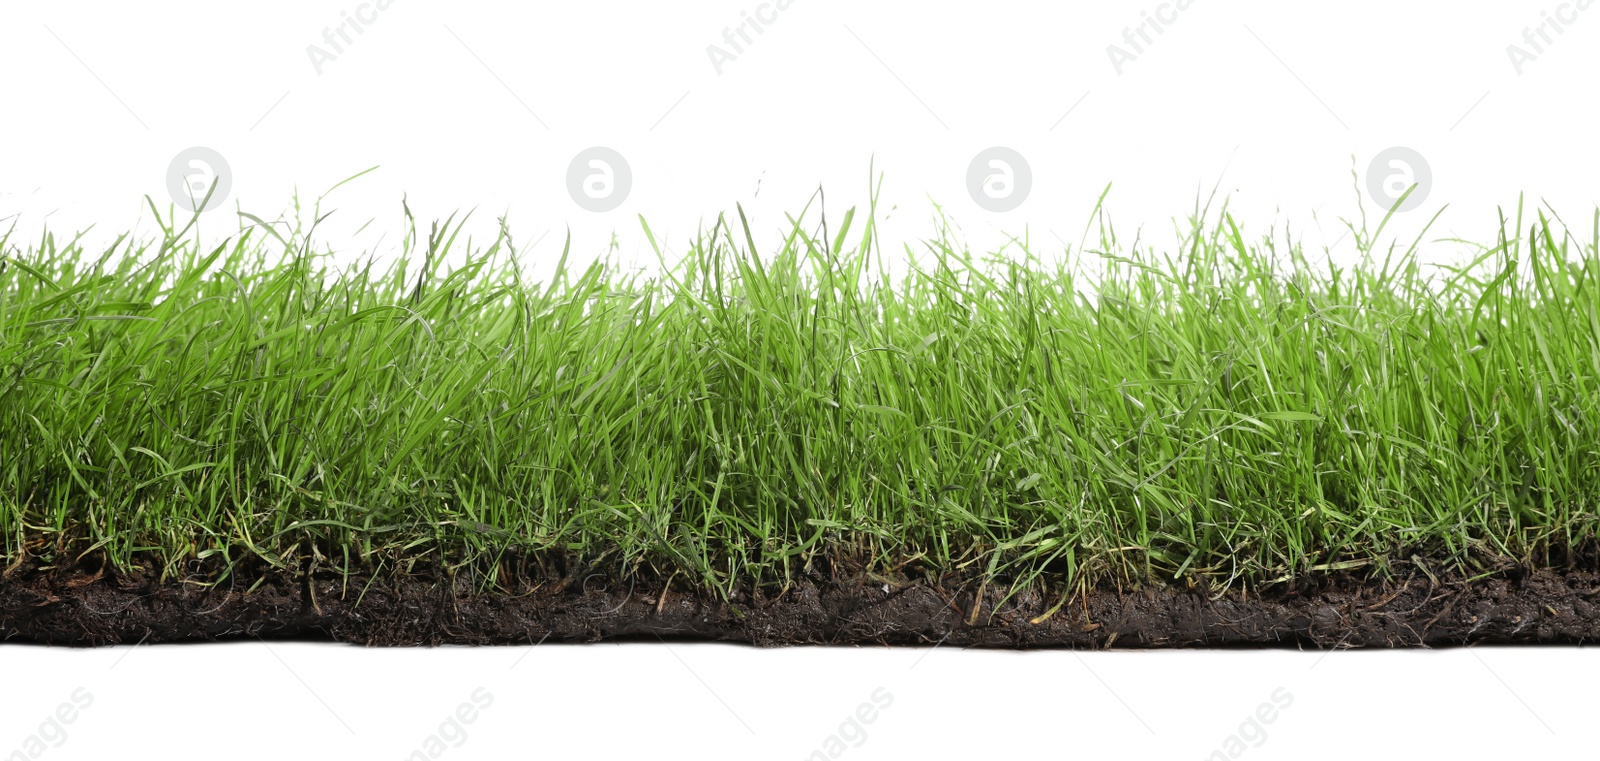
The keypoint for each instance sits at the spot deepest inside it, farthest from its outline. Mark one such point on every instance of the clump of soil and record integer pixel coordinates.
(78, 606)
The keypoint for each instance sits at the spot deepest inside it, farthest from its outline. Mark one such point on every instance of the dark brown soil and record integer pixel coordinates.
(79, 607)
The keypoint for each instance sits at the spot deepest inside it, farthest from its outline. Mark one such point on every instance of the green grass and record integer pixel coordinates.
(1223, 412)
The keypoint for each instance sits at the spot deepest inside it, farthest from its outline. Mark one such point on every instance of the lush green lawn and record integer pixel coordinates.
(1221, 411)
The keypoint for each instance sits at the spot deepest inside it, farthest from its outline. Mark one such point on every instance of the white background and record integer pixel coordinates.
(482, 105)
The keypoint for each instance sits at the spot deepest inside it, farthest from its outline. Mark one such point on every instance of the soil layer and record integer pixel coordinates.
(79, 607)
